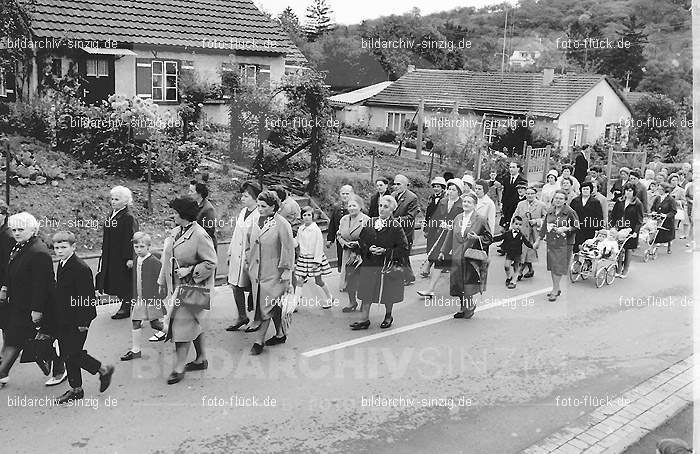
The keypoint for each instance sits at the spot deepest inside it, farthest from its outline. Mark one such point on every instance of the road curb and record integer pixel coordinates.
(611, 429)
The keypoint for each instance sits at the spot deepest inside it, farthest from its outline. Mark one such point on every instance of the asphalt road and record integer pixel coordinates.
(495, 384)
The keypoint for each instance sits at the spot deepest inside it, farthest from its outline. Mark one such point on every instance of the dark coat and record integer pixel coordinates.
(207, 219)
(373, 211)
(580, 168)
(374, 286)
(590, 217)
(667, 206)
(628, 218)
(151, 306)
(30, 281)
(642, 196)
(433, 203)
(616, 189)
(467, 277)
(117, 249)
(74, 299)
(6, 243)
(337, 214)
(431, 229)
(512, 244)
(406, 213)
(509, 197)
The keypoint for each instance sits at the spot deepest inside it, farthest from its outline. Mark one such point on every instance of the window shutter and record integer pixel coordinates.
(143, 77)
(572, 135)
(584, 135)
(599, 106)
(10, 87)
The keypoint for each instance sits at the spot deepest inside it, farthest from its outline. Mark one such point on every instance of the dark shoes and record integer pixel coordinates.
(350, 308)
(458, 315)
(196, 366)
(359, 325)
(70, 395)
(520, 277)
(511, 284)
(551, 296)
(408, 282)
(237, 326)
(256, 349)
(106, 378)
(529, 274)
(387, 323)
(121, 314)
(175, 377)
(468, 313)
(130, 355)
(274, 340)
(252, 330)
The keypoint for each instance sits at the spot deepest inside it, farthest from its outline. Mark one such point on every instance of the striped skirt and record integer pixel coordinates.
(306, 267)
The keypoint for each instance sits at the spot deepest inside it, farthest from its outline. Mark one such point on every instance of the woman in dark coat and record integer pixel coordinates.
(467, 276)
(589, 212)
(118, 252)
(29, 279)
(559, 231)
(383, 244)
(448, 209)
(580, 167)
(6, 243)
(628, 213)
(337, 212)
(666, 204)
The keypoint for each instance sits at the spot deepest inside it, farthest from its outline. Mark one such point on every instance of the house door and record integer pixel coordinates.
(98, 74)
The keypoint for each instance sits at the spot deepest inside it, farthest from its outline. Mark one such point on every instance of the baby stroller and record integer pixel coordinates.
(651, 226)
(602, 267)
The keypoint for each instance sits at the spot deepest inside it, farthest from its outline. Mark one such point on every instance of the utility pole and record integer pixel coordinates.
(503, 53)
(419, 135)
(627, 83)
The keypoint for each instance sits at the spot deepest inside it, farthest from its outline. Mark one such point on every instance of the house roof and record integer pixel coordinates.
(511, 93)
(633, 97)
(229, 24)
(355, 96)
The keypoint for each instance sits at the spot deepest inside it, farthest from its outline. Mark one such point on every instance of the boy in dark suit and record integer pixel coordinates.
(512, 245)
(148, 305)
(72, 311)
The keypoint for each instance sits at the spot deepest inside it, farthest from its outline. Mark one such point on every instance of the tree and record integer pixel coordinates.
(629, 57)
(289, 22)
(15, 27)
(318, 20)
(577, 50)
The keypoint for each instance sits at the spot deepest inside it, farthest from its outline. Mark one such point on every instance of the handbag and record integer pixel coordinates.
(39, 351)
(476, 254)
(391, 269)
(189, 293)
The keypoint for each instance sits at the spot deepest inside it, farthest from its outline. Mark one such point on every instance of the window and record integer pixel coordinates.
(577, 134)
(57, 67)
(395, 121)
(164, 80)
(599, 106)
(490, 128)
(613, 132)
(94, 67)
(248, 74)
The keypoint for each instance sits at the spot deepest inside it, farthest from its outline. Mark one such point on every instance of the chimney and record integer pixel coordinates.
(410, 68)
(547, 76)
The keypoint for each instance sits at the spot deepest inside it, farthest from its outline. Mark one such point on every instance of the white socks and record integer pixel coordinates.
(136, 340)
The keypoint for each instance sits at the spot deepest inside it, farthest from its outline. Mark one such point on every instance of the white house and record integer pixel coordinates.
(523, 58)
(144, 48)
(348, 107)
(576, 109)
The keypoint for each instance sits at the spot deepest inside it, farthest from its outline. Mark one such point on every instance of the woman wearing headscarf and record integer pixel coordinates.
(193, 261)
(447, 211)
(29, 282)
(383, 243)
(467, 275)
(270, 262)
(628, 213)
(348, 238)
(117, 258)
(559, 232)
(237, 272)
(532, 212)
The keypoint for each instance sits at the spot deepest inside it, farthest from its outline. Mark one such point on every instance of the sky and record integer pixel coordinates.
(354, 11)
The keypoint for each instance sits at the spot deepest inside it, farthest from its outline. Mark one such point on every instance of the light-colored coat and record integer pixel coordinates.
(270, 260)
(310, 241)
(237, 274)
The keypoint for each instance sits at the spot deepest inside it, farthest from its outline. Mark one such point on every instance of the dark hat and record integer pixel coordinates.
(521, 185)
(252, 189)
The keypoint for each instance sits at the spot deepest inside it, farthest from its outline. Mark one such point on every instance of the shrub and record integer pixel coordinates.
(387, 136)
(30, 120)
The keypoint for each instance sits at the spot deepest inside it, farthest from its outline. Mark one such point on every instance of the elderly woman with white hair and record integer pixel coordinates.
(29, 282)
(117, 261)
(383, 245)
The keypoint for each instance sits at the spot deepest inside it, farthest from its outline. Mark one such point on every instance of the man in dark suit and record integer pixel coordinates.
(635, 178)
(382, 185)
(337, 212)
(70, 314)
(509, 196)
(207, 215)
(406, 213)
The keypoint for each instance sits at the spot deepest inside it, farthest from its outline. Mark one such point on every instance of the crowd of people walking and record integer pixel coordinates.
(276, 247)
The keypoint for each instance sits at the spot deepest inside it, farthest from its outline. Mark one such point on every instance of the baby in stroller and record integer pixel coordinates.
(603, 245)
(648, 229)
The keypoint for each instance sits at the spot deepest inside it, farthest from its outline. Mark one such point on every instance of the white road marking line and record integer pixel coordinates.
(499, 302)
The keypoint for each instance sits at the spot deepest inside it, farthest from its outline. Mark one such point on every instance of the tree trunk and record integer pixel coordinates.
(315, 169)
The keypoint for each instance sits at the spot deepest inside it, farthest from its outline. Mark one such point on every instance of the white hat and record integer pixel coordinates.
(458, 184)
(468, 179)
(553, 172)
(439, 180)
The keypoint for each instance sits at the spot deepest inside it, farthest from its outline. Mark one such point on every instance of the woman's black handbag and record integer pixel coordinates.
(189, 293)
(476, 254)
(39, 351)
